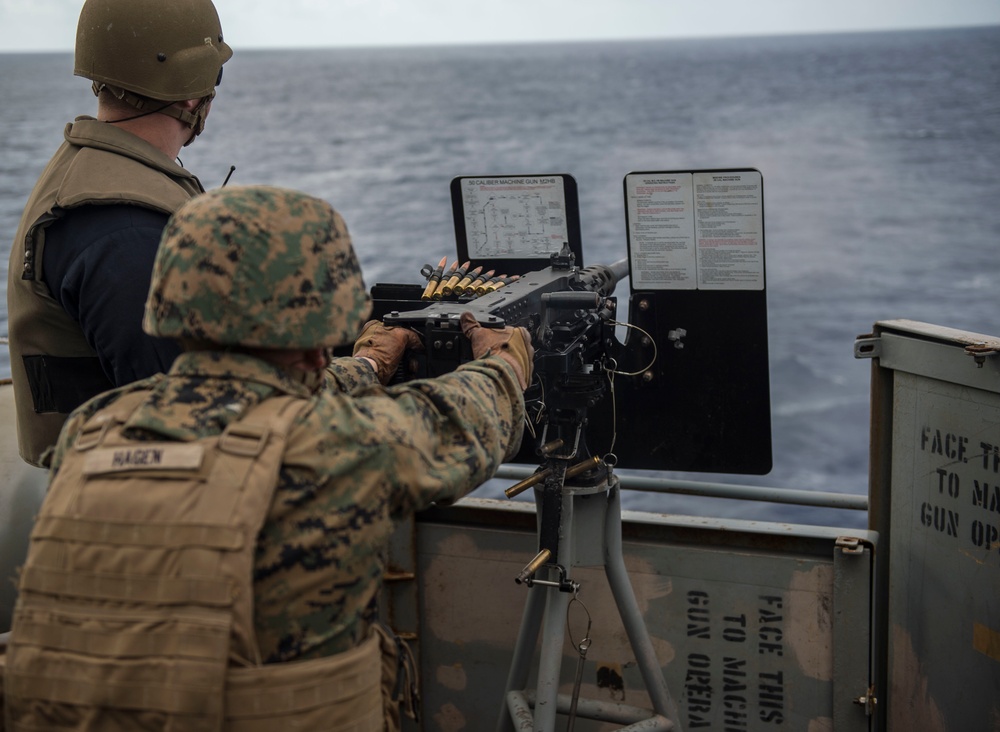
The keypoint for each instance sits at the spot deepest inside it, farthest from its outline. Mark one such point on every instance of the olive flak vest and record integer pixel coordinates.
(97, 164)
(135, 603)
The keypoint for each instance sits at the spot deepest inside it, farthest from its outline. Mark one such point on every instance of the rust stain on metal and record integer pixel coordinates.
(912, 706)
(986, 641)
(609, 677)
(452, 677)
(809, 618)
(449, 718)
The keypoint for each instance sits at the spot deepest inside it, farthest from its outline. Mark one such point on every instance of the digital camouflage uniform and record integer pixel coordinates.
(210, 550)
(359, 457)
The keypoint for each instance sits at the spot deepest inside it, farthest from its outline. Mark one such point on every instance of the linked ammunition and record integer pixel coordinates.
(489, 285)
(473, 287)
(434, 279)
(449, 286)
(439, 292)
(497, 282)
(464, 283)
(503, 281)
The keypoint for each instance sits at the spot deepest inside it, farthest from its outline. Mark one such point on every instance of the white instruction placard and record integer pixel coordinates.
(696, 230)
(661, 231)
(729, 229)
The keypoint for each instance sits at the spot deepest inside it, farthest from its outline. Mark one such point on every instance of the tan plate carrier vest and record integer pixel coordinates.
(98, 164)
(135, 607)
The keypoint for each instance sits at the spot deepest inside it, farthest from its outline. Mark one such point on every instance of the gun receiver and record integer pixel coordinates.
(559, 305)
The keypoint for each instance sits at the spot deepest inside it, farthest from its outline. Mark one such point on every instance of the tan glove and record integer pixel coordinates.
(513, 345)
(385, 345)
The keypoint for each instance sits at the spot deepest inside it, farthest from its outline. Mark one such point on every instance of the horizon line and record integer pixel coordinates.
(566, 41)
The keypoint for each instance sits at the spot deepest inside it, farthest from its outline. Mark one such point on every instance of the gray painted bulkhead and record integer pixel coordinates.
(756, 626)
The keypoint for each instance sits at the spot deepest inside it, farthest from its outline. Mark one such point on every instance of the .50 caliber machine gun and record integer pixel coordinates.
(687, 390)
(570, 315)
(560, 305)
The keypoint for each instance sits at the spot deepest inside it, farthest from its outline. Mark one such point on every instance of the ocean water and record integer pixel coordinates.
(880, 155)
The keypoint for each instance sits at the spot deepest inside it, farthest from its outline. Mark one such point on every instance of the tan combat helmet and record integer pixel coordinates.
(260, 267)
(155, 51)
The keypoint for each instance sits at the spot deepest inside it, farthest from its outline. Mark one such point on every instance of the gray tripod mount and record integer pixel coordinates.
(578, 525)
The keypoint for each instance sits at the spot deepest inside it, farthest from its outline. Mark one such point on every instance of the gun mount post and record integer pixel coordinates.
(548, 600)
(568, 491)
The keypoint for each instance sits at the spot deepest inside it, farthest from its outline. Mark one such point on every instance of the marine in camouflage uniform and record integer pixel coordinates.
(362, 456)
(250, 280)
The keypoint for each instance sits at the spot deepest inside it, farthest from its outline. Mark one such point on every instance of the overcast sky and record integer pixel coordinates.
(42, 25)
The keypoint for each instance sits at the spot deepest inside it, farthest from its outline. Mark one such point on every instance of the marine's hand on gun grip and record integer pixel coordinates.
(385, 345)
(513, 345)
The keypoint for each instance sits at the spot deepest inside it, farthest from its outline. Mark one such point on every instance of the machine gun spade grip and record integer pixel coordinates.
(522, 303)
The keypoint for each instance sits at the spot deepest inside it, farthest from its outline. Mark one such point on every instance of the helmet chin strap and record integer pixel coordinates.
(199, 115)
(146, 106)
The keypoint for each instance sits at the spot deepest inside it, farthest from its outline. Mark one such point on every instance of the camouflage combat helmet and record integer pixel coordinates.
(169, 51)
(257, 266)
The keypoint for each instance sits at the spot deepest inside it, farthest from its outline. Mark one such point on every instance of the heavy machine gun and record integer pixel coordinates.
(570, 313)
(688, 387)
(560, 305)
